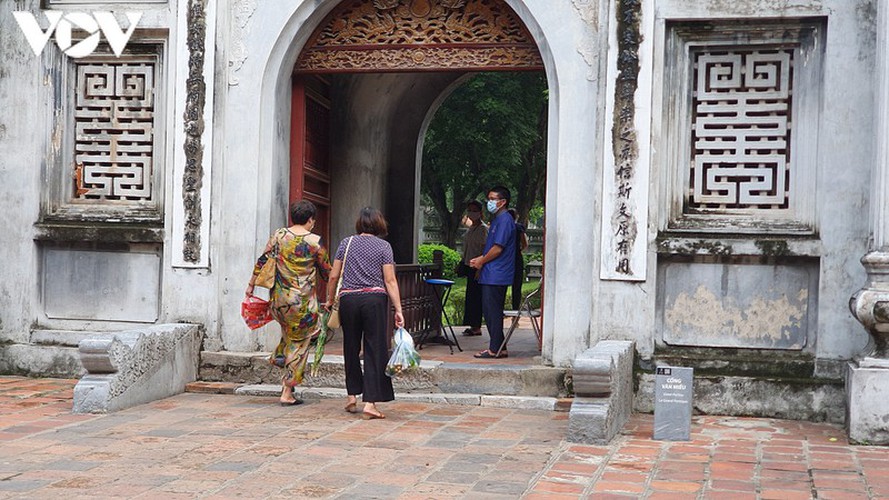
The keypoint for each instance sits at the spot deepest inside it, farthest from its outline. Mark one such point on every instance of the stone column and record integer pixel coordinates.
(867, 382)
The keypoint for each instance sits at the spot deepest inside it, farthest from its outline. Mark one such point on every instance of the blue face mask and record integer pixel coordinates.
(492, 205)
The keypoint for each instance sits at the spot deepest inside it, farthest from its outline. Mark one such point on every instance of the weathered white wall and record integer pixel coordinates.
(377, 121)
(844, 157)
(258, 43)
(23, 145)
(105, 298)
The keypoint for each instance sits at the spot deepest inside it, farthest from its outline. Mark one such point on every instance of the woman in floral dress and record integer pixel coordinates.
(301, 260)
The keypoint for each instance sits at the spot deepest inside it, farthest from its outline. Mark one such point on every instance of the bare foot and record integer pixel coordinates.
(371, 412)
(287, 397)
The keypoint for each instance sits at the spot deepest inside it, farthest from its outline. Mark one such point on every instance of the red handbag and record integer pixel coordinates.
(255, 311)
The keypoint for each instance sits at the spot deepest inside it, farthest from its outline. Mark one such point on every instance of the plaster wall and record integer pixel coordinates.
(23, 145)
(359, 152)
(377, 124)
(32, 135)
(843, 158)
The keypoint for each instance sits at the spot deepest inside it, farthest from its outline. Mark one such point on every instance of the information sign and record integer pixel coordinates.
(672, 403)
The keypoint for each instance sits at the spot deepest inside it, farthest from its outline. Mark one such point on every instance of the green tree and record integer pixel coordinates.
(490, 130)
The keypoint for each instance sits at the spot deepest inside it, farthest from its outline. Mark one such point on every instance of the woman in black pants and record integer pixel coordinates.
(368, 270)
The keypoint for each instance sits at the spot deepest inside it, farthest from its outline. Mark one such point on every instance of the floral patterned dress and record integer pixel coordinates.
(301, 260)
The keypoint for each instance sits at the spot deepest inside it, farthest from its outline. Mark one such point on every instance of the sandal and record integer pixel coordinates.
(486, 354)
(469, 332)
(352, 407)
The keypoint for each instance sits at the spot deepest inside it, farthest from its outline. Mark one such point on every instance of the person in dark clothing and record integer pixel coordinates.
(368, 268)
(473, 245)
(521, 243)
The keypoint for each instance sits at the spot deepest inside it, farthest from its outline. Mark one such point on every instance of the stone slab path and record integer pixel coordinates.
(215, 446)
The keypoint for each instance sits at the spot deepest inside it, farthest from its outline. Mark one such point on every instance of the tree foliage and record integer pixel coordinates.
(491, 130)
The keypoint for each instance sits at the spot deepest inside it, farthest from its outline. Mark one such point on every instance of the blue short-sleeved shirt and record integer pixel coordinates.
(500, 271)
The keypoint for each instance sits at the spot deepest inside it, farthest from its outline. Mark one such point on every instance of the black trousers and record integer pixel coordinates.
(517, 280)
(472, 306)
(364, 319)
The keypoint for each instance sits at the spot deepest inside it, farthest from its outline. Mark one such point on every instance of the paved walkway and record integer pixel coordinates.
(223, 446)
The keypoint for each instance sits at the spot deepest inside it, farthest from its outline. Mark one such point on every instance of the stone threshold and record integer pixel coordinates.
(485, 400)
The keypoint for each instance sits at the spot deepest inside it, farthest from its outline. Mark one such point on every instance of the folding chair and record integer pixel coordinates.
(526, 311)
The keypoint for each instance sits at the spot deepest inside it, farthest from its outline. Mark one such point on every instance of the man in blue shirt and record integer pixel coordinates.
(496, 268)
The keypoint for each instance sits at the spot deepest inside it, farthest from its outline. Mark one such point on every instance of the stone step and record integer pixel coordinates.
(491, 401)
(433, 377)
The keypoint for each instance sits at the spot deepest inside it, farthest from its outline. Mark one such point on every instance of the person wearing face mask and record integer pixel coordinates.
(496, 268)
(473, 246)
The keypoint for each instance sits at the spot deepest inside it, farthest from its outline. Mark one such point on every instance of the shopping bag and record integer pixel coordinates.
(404, 357)
(255, 311)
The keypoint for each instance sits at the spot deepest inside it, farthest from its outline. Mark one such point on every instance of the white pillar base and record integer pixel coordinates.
(867, 402)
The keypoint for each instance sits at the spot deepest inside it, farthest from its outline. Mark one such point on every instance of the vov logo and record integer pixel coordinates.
(63, 25)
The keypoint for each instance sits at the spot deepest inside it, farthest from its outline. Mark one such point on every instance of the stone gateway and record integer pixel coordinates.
(712, 178)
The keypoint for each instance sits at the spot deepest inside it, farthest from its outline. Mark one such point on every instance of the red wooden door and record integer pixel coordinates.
(310, 154)
(310, 148)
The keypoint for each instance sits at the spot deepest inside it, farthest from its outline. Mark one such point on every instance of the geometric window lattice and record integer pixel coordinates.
(741, 124)
(114, 131)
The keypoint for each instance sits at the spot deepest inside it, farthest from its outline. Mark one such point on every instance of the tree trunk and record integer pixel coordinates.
(533, 181)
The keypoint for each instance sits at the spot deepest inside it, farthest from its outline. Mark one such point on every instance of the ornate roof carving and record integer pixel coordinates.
(418, 35)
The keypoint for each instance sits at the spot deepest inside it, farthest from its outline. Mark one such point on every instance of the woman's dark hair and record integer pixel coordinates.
(477, 205)
(371, 221)
(302, 211)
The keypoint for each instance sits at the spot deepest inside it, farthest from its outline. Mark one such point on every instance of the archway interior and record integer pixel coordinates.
(366, 81)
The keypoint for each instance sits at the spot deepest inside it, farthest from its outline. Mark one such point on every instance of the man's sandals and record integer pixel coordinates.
(486, 354)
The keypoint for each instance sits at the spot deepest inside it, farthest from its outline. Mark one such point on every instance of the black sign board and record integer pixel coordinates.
(672, 403)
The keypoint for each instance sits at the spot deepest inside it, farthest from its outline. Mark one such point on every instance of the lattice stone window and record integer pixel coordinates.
(114, 131)
(110, 165)
(742, 125)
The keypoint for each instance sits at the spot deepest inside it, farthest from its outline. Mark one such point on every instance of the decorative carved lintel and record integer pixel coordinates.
(412, 35)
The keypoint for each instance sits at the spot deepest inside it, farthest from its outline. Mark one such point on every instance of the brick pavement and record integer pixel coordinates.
(224, 446)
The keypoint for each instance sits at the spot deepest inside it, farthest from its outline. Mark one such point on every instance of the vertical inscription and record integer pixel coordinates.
(623, 132)
(196, 93)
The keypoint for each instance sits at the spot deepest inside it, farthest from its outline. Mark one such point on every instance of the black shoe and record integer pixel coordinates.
(439, 340)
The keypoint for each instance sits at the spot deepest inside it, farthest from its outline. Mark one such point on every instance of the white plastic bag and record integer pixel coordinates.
(404, 356)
